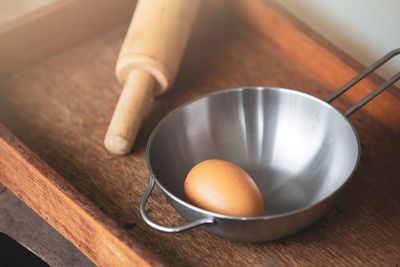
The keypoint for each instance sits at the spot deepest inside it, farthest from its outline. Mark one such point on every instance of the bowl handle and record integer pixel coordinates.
(361, 76)
(167, 229)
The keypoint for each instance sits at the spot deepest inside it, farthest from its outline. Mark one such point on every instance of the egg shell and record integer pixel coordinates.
(223, 187)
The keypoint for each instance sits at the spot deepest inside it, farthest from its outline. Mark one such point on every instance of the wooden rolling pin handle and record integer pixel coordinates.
(132, 105)
(148, 63)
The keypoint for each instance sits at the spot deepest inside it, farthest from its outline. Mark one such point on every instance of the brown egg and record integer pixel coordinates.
(223, 187)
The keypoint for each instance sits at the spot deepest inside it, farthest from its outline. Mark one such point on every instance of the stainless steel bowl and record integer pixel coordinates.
(299, 150)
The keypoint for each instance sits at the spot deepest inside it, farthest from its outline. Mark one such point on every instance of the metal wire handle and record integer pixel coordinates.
(361, 76)
(162, 228)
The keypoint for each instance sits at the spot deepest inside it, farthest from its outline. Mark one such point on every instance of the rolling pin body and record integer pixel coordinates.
(147, 64)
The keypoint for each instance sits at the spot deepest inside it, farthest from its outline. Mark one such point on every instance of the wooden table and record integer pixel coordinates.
(26, 227)
(60, 109)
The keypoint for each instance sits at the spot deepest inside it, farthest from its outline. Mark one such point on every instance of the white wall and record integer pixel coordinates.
(365, 29)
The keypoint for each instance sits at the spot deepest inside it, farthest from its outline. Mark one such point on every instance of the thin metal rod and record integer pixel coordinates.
(374, 93)
(167, 229)
(362, 75)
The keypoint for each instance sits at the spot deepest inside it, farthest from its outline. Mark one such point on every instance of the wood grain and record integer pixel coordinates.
(33, 232)
(46, 192)
(72, 94)
(2, 188)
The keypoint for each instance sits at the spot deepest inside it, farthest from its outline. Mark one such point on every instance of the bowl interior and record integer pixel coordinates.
(298, 149)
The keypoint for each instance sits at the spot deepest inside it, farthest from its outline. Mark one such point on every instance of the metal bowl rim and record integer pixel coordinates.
(253, 218)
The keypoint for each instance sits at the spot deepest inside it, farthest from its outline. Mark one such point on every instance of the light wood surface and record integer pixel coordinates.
(154, 44)
(135, 99)
(33, 30)
(72, 95)
(14, 13)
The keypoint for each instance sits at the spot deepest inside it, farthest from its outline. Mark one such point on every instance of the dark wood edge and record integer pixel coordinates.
(30, 230)
(305, 47)
(67, 210)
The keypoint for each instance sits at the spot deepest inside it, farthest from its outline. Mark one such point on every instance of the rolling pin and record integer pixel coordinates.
(147, 64)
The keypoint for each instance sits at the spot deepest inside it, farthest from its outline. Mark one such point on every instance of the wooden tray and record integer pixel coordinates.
(56, 112)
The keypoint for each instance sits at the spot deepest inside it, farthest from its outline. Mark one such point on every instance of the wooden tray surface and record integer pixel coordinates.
(60, 109)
